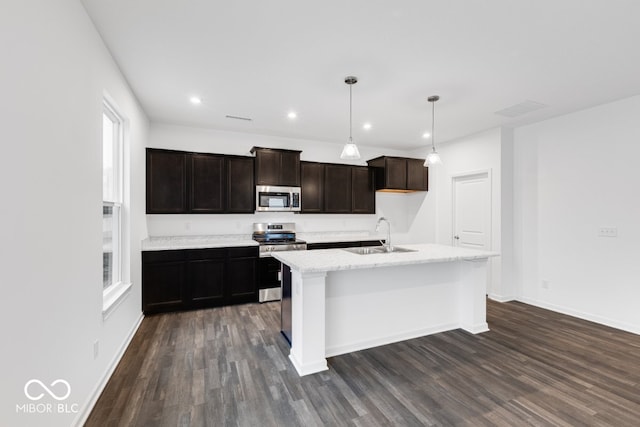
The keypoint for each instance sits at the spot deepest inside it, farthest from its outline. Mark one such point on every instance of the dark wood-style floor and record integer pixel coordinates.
(229, 367)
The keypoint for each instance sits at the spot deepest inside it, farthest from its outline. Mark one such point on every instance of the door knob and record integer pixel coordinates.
(456, 237)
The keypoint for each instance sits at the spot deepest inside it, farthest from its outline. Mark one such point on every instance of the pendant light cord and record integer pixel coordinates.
(350, 114)
(433, 127)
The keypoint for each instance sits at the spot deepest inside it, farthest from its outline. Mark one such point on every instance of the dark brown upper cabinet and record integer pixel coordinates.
(181, 183)
(312, 185)
(240, 186)
(363, 195)
(400, 174)
(167, 181)
(277, 167)
(337, 188)
(207, 183)
(417, 175)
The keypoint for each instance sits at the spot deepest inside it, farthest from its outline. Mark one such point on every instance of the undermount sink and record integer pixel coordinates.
(370, 250)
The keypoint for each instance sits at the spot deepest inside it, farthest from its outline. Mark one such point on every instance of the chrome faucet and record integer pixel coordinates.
(387, 245)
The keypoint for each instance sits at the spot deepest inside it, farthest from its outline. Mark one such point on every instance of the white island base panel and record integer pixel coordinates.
(338, 312)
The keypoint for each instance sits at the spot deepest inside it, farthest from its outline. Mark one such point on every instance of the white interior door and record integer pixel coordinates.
(472, 211)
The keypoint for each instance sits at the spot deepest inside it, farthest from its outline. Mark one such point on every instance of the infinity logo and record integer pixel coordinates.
(51, 393)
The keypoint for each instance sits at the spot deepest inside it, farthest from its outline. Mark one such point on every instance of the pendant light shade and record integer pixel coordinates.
(433, 158)
(350, 150)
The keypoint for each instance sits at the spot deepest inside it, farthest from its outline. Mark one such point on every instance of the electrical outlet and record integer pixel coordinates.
(187, 226)
(545, 284)
(608, 232)
(96, 349)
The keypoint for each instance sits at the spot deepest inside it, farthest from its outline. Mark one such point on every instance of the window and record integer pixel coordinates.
(112, 191)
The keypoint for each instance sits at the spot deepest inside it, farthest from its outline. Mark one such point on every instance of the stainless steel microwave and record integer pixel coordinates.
(271, 198)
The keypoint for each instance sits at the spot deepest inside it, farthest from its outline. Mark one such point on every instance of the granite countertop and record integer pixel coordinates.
(165, 243)
(338, 259)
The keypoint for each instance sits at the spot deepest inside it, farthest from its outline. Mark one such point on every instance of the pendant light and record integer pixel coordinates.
(433, 158)
(350, 150)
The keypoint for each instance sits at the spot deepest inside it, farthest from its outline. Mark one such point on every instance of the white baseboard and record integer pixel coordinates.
(501, 298)
(634, 329)
(403, 336)
(88, 407)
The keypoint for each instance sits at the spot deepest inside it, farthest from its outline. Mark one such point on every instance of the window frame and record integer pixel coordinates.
(114, 293)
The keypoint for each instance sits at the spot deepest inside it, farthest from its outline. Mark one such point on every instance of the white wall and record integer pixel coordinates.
(53, 74)
(574, 174)
(478, 152)
(399, 208)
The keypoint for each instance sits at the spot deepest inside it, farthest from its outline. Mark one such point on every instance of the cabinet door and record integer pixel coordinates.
(242, 277)
(240, 186)
(267, 167)
(268, 272)
(363, 197)
(285, 304)
(166, 182)
(312, 180)
(163, 281)
(396, 173)
(337, 188)
(205, 277)
(290, 169)
(207, 183)
(417, 175)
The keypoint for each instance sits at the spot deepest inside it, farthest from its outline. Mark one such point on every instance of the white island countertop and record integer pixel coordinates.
(339, 259)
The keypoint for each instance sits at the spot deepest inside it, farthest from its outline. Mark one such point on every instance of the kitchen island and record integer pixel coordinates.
(343, 301)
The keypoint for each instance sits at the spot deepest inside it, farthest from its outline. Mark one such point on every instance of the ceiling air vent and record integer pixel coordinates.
(247, 119)
(520, 109)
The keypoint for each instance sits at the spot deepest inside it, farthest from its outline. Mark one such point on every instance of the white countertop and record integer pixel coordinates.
(338, 259)
(165, 243)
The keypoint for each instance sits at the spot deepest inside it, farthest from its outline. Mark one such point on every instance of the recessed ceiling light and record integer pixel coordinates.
(426, 135)
(366, 126)
(292, 115)
(195, 100)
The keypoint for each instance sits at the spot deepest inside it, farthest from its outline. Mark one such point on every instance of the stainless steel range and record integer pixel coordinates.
(274, 237)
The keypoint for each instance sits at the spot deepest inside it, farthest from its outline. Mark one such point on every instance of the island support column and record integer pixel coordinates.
(473, 296)
(308, 322)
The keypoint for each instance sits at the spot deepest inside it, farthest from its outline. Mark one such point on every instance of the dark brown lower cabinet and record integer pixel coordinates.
(242, 278)
(163, 281)
(198, 278)
(205, 276)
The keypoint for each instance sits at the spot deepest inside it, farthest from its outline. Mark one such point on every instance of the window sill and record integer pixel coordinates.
(113, 297)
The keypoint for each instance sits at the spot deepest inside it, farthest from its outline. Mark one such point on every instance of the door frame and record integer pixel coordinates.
(466, 175)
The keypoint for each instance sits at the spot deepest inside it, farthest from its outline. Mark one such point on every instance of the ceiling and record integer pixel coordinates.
(261, 59)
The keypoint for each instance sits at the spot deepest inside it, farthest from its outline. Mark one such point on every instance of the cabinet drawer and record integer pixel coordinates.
(162, 256)
(199, 254)
(245, 251)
